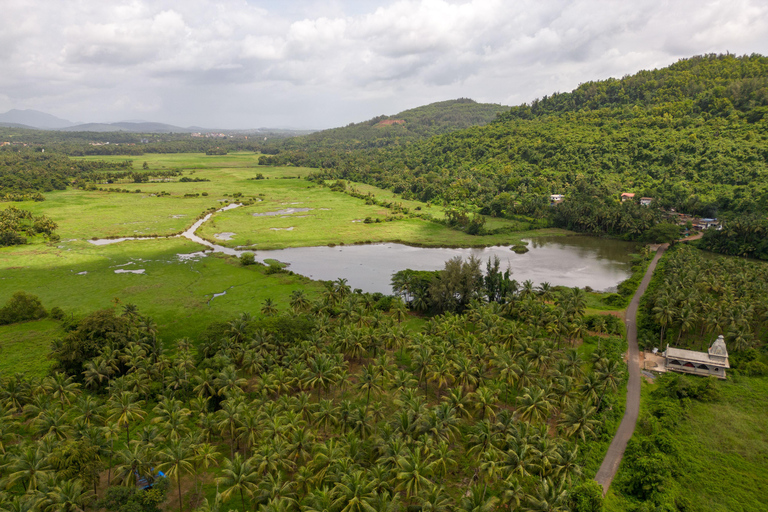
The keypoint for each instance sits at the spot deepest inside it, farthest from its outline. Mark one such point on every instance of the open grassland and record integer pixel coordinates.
(722, 451)
(334, 218)
(177, 294)
(24, 347)
(80, 277)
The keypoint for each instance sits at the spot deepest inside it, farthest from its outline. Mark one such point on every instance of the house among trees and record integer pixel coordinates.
(646, 201)
(556, 198)
(713, 362)
(627, 196)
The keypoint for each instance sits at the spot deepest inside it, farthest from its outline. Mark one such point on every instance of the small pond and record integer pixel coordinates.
(563, 260)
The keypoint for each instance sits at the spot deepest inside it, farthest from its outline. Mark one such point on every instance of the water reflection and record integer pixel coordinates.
(568, 261)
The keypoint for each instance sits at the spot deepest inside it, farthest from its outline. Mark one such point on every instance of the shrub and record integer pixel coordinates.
(21, 307)
(756, 369)
(57, 313)
(247, 258)
(587, 497)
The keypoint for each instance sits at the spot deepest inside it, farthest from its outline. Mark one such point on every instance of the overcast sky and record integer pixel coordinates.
(319, 64)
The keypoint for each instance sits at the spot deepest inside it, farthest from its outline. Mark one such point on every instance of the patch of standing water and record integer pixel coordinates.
(285, 211)
(220, 294)
(124, 271)
(281, 229)
(110, 241)
(192, 256)
(226, 236)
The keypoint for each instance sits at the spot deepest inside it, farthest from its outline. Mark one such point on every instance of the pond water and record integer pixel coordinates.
(559, 260)
(564, 260)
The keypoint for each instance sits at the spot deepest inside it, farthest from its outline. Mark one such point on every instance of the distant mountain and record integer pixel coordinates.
(34, 119)
(413, 124)
(142, 127)
(16, 125)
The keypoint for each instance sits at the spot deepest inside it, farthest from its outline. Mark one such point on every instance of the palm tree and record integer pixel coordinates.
(68, 496)
(29, 466)
(238, 476)
(176, 459)
(299, 302)
(435, 500)
(440, 372)
(609, 373)
(534, 405)
(269, 308)
(413, 472)
(124, 409)
(549, 498)
(485, 401)
(578, 421)
(133, 463)
(477, 501)
(370, 379)
(228, 418)
(355, 493)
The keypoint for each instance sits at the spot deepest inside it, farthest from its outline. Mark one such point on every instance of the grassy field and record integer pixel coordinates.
(24, 347)
(80, 277)
(722, 447)
(333, 218)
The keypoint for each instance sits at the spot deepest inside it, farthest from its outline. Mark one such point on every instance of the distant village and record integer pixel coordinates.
(681, 219)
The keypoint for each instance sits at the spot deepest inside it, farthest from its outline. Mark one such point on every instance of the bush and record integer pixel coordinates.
(587, 497)
(247, 258)
(22, 307)
(57, 313)
(756, 369)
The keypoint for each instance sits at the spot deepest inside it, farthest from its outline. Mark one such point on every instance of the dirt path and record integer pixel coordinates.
(610, 464)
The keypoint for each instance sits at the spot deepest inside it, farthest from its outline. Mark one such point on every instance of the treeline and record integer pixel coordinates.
(135, 144)
(26, 174)
(592, 209)
(15, 223)
(713, 84)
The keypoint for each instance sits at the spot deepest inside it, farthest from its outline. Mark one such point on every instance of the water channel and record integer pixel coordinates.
(559, 260)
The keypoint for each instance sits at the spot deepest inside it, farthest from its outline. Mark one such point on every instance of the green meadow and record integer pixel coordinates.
(177, 292)
(80, 277)
(721, 451)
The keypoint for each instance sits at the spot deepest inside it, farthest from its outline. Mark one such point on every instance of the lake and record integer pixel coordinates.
(559, 260)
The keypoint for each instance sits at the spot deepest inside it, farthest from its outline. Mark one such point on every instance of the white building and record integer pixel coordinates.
(713, 362)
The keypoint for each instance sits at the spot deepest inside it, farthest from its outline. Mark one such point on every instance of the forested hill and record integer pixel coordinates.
(716, 85)
(693, 136)
(417, 123)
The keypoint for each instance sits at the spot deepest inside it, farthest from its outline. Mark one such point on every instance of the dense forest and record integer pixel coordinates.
(692, 136)
(331, 405)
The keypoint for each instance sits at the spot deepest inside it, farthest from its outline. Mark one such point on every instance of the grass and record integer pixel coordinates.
(24, 347)
(722, 450)
(176, 294)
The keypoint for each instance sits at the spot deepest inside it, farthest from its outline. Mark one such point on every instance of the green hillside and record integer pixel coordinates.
(692, 135)
(414, 124)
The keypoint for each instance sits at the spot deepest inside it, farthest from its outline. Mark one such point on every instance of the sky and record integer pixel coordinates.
(318, 64)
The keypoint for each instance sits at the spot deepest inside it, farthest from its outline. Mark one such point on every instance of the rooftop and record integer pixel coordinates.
(694, 356)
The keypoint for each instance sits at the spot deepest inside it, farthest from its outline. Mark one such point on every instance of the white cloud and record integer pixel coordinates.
(316, 64)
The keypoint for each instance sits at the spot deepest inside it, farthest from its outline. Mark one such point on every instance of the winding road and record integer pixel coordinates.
(612, 459)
